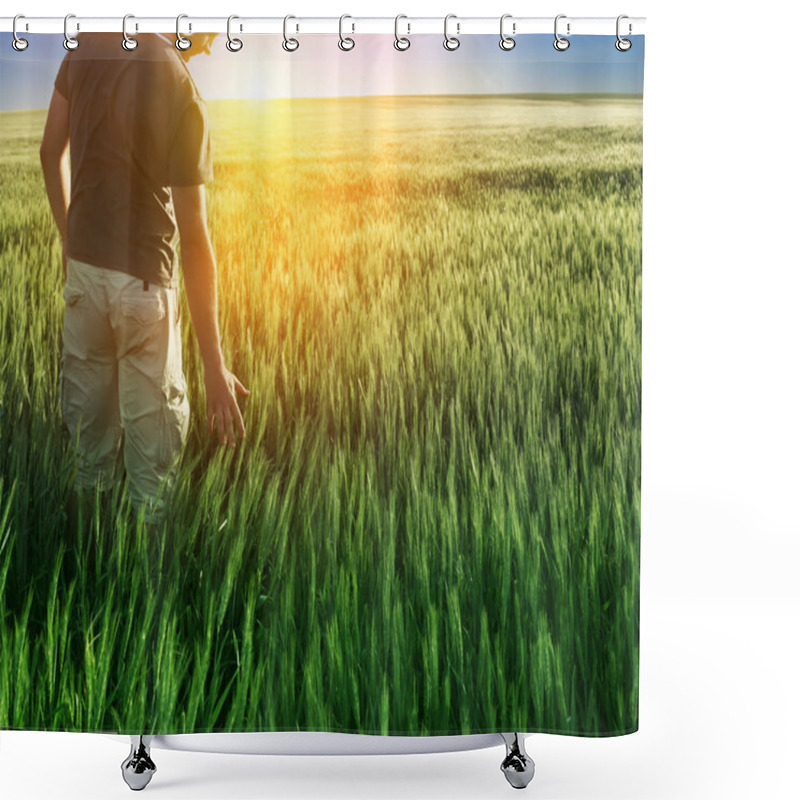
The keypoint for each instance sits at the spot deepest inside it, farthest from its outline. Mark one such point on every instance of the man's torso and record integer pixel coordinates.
(137, 126)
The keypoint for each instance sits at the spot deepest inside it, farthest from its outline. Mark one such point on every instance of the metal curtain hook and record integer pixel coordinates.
(346, 43)
(401, 43)
(451, 42)
(506, 42)
(623, 45)
(18, 43)
(181, 41)
(289, 45)
(561, 43)
(234, 45)
(128, 42)
(70, 42)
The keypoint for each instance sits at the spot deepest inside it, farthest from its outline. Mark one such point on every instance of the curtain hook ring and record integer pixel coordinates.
(181, 41)
(234, 45)
(451, 42)
(561, 44)
(128, 42)
(623, 45)
(18, 43)
(400, 42)
(346, 43)
(70, 42)
(289, 45)
(507, 42)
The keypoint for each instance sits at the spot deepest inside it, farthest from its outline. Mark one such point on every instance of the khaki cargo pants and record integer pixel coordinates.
(122, 386)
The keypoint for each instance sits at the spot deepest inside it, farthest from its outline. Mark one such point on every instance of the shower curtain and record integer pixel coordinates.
(426, 277)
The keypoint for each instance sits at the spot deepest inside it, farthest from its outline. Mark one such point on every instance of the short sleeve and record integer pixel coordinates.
(62, 82)
(189, 161)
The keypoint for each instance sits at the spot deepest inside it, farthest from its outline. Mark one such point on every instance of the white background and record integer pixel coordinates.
(720, 613)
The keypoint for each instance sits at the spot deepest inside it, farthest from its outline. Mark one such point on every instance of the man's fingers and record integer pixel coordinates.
(221, 429)
(234, 411)
(215, 421)
(237, 419)
(231, 436)
(240, 387)
(226, 415)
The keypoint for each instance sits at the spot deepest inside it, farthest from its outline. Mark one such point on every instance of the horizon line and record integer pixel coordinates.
(547, 95)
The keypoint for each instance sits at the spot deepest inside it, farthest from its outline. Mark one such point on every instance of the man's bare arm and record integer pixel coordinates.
(200, 282)
(53, 154)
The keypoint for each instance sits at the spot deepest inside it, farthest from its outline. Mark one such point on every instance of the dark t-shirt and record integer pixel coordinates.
(137, 126)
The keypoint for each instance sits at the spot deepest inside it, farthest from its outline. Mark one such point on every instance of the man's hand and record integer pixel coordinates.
(222, 386)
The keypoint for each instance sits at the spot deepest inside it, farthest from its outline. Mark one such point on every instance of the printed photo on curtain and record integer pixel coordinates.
(320, 384)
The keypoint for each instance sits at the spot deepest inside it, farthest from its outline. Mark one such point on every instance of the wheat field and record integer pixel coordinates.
(432, 525)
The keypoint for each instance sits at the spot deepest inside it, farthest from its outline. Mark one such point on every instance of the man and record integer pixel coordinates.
(136, 131)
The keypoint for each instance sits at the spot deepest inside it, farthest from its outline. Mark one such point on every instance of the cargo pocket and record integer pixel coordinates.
(146, 307)
(143, 326)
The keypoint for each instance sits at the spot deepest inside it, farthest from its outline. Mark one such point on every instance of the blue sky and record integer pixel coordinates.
(262, 69)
